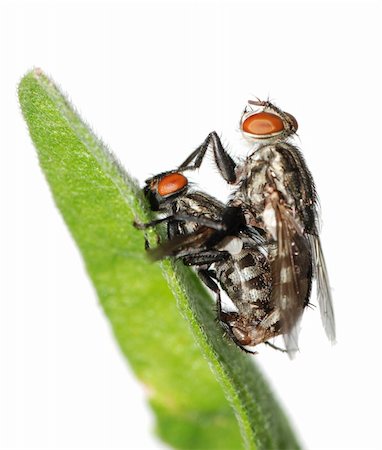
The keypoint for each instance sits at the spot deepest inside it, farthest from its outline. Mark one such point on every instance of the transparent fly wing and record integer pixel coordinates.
(291, 274)
(323, 289)
(291, 339)
(291, 264)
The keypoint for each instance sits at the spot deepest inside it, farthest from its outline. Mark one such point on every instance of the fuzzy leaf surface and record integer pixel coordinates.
(205, 392)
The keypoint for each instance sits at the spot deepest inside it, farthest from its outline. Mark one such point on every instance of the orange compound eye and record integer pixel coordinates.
(170, 184)
(262, 124)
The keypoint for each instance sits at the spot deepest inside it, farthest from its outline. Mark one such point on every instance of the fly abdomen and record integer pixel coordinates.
(246, 279)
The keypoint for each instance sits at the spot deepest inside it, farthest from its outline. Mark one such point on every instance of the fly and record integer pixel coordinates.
(226, 252)
(275, 190)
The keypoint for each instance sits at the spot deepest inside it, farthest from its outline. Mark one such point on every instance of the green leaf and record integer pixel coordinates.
(206, 393)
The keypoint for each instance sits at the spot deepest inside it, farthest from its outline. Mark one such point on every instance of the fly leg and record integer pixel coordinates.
(226, 320)
(199, 220)
(203, 258)
(224, 162)
(275, 347)
(207, 277)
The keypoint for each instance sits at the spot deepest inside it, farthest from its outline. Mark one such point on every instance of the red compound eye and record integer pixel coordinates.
(170, 184)
(262, 124)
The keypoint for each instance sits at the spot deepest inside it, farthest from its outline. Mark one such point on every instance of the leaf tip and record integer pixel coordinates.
(32, 75)
(37, 72)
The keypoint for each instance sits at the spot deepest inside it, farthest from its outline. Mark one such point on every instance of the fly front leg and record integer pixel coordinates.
(223, 160)
(172, 225)
(199, 220)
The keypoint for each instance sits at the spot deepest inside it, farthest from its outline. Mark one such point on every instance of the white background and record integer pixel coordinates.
(153, 78)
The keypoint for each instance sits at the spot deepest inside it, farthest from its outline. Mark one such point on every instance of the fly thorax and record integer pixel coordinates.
(277, 171)
(252, 181)
(188, 206)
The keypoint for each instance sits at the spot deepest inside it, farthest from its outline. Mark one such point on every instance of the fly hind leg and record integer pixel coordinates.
(207, 277)
(275, 347)
(224, 318)
(203, 260)
(228, 321)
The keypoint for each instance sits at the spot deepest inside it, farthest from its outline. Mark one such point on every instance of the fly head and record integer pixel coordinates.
(263, 121)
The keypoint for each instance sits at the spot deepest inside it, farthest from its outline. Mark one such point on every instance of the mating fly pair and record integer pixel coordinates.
(262, 247)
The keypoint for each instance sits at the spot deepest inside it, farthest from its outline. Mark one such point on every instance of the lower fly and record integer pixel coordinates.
(227, 254)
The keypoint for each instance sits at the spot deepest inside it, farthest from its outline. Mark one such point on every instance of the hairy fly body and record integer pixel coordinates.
(275, 190)
(226, 252)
